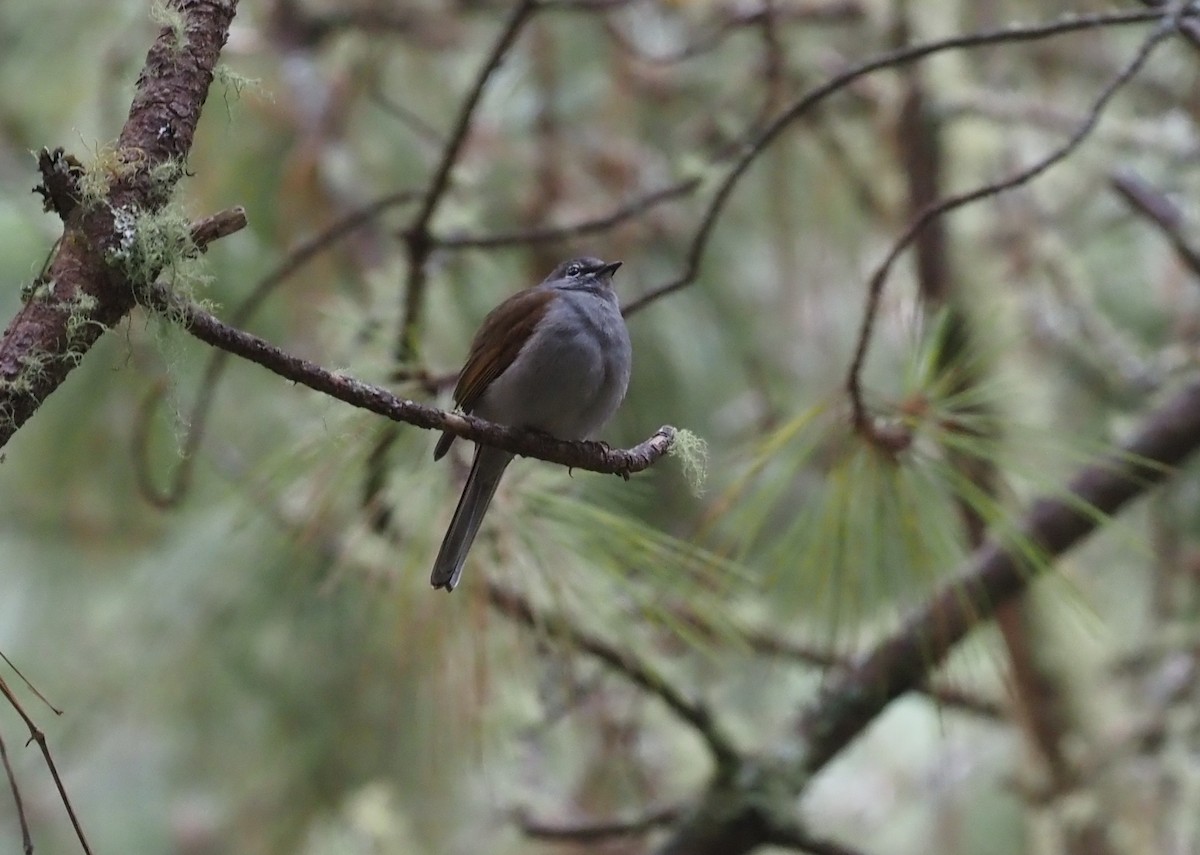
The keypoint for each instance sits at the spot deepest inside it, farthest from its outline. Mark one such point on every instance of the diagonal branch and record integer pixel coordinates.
(36, 735)
(997, 572)
(85, 291)
(638, 672)
(724, 822)
(593, 456)
(26, 836)
(1160, 211)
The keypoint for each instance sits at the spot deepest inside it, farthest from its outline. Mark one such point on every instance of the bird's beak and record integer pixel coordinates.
(609, 269)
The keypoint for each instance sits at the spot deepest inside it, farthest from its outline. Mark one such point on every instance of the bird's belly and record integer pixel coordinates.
(568, 386)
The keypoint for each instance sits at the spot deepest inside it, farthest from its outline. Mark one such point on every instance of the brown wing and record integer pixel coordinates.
(498, 341)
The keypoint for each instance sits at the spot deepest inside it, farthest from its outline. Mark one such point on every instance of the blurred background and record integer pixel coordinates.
(229, 599)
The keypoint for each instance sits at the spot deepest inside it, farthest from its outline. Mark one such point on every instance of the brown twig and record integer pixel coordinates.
(1159, 211)
(860, 415)
(550, 234)
(592, 456)
(417, 235)
(35, 735)
(26, 837)
(802, 106)
(216, 226)
(950, 697)
(60, 181)
(516, 607)
(36, 692)
(297, 258)
(419, 243)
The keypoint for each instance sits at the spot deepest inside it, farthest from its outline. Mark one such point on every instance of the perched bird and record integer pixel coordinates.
(556, 358)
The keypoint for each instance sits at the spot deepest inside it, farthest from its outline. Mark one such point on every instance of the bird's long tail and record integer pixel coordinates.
(486, 469)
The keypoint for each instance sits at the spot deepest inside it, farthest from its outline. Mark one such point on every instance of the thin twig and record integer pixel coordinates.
(875, 286)
(893, 58)
(739, 17)
(770, 644)
(410, 118)
(950, 697)
(514, 606)
(26, 837)
(30, 685)
(218, 225)
(550, 234)
(1160, 211)
(35, 735)
(417, 235)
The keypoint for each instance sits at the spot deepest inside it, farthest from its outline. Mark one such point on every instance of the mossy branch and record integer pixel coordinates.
(89, 285)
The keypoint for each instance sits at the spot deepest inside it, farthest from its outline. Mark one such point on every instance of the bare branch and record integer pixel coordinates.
(861, 417)
(556, 233)
(640, 673)
(417, 235)
(26, 837)
(218, 225)
(1160, 212)
(801, 107)
(592, 456)
(997, 572)
(35, 735)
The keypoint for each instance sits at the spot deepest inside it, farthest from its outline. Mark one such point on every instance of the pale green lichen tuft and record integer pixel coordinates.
(692, 451)
(234, 81)
(151, 242)
(98, 177)
(164, 175)
(33, 368)
(80, 309)
(174, 20)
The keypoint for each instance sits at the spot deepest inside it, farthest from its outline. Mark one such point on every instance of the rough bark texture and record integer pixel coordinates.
(86, 291)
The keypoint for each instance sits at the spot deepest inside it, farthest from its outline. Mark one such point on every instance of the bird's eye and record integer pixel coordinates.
(574, 270)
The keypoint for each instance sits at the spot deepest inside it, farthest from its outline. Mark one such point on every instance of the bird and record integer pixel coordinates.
(555, 358)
